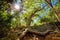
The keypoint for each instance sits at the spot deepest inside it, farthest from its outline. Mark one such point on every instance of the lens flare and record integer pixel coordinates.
(17, 6)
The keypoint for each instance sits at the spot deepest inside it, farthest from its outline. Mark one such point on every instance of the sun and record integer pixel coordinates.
(17, 6)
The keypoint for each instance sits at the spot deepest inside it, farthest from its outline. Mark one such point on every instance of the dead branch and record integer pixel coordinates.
(23, 33)
(40, 33)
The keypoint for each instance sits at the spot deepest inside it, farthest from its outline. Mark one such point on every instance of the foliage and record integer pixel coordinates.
(45, 14)
(29, 7)
(5, 19)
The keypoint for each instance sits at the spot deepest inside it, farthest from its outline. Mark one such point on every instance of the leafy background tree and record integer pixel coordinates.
(5, 18)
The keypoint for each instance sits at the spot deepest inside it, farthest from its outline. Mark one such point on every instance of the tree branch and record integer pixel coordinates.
(32, 15)
(53, 9)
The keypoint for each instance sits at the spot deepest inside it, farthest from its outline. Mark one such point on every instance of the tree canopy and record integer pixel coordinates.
(33, 12)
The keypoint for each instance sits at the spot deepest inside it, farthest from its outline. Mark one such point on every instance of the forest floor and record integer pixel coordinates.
(30, 36)
(15, 34)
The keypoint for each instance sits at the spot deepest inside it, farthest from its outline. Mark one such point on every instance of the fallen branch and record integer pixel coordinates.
(41, 33)
(23, 33)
